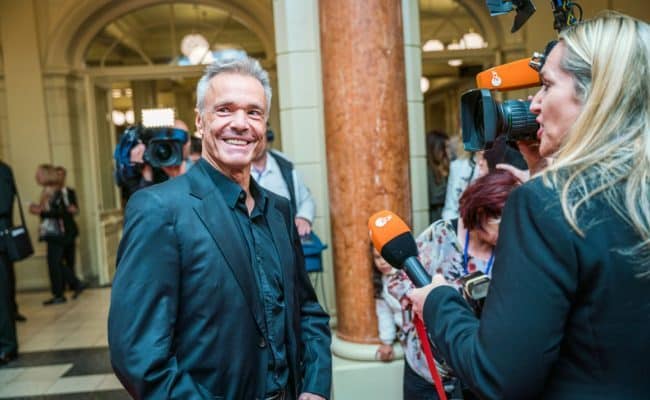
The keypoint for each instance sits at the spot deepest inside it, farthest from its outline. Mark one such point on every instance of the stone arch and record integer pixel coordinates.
(69, 42)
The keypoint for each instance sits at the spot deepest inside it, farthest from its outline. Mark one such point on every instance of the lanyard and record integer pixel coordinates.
(426, 349)
(466, 256)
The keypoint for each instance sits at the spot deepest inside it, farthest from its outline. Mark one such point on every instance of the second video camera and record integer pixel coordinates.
(164, 146)
(483, 119)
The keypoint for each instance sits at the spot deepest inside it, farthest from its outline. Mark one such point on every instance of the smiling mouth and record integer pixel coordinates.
(237, 142)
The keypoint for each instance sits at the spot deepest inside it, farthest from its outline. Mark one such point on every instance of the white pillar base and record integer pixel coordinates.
(360, 351)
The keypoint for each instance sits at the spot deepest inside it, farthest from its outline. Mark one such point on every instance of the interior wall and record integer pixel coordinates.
(4, 138)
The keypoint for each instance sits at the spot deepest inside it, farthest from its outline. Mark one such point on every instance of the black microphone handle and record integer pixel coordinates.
(416, 272)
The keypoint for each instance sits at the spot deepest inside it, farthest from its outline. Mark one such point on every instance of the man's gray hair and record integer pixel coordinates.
(241, 65)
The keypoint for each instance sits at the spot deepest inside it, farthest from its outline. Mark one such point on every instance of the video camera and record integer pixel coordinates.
(482, 117)
(163, 148)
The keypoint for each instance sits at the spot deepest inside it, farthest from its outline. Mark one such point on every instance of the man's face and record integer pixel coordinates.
(233, 122)
(260, 153)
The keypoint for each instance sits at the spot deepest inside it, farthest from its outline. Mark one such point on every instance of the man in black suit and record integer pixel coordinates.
(211, 299)
(8, 342)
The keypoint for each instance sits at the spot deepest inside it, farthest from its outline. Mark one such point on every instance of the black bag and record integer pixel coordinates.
(50, 228)
(17, 241)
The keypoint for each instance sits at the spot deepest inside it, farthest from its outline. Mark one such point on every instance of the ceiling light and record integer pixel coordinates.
(200, 55)
(455, 62)
(191, 42)
(116, 93)
(424, 84)
(433, 45)
(130, 117)
(118, 117)
(473, 40)
(456, 46)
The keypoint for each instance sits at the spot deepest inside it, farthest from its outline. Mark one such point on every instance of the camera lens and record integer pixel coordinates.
(518, 123)
(163, 152)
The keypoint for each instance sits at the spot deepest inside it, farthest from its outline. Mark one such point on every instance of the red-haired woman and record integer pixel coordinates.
(456, 248)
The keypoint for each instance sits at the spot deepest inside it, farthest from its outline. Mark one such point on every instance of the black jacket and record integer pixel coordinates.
(7, 193)
(186, 318)
(59, 209)
(566, 317)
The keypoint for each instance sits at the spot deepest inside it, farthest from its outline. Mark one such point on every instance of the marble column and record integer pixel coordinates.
(367, 141)
(26, 136)
(301, 131)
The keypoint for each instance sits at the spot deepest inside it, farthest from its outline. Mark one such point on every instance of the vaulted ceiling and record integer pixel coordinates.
(152, 35)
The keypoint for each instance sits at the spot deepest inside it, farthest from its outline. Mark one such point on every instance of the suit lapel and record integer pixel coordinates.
(220, 223)
(281, 238)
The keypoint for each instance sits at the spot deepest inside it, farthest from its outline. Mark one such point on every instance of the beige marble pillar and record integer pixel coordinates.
(362, 53)
(27, 140)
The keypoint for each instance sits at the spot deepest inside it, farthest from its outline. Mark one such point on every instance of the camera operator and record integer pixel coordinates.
(566, 316)
(146, 156)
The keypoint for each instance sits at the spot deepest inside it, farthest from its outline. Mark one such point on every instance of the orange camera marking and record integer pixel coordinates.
(515, 75)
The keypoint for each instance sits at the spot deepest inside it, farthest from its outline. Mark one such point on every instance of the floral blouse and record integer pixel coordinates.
(439, 251)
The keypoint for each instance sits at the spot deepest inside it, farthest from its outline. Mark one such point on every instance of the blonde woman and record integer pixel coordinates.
(48, 179)
(568, 312)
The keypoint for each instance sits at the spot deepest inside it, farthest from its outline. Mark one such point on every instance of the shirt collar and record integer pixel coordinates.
(231, 191)
(270, 167)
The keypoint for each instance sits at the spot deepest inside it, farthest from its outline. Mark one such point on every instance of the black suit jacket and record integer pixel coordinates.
(186, 318)
(7, 193)
(59, 209)
(566, 317)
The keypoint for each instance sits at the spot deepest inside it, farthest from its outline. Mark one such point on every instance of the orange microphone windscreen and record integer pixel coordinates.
(385, 226)
(514, 75)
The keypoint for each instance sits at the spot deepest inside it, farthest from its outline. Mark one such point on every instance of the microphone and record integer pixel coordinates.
(514, 75)
(393, 240)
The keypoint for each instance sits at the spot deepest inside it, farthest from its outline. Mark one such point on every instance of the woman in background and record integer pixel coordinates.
(454, 248)
(462, 172)
(437, 172)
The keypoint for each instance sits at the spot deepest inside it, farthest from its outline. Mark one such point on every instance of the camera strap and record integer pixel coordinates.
(466, 257)
(426, 348)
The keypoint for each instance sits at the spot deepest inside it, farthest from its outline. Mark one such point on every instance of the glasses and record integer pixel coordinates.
(538, 59)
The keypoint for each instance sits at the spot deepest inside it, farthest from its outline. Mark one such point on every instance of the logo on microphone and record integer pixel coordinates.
(496, 79)
(381, 222)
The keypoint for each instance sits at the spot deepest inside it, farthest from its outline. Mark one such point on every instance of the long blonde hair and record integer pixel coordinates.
(607, 150)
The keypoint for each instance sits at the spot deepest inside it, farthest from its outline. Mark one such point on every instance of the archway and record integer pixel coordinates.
(90, 76)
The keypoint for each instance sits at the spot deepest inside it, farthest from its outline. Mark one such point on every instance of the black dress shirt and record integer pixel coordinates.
(264, 259)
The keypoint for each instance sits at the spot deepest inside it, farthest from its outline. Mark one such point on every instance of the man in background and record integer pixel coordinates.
(8, 340)
(71, 230)
(274, 172)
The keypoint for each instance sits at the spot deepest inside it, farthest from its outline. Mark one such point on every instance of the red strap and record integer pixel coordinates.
(424, 341)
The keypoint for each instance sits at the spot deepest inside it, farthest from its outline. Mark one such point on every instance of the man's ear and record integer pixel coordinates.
(198, 121)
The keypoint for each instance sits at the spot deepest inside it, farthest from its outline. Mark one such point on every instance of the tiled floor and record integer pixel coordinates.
(63, 351)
